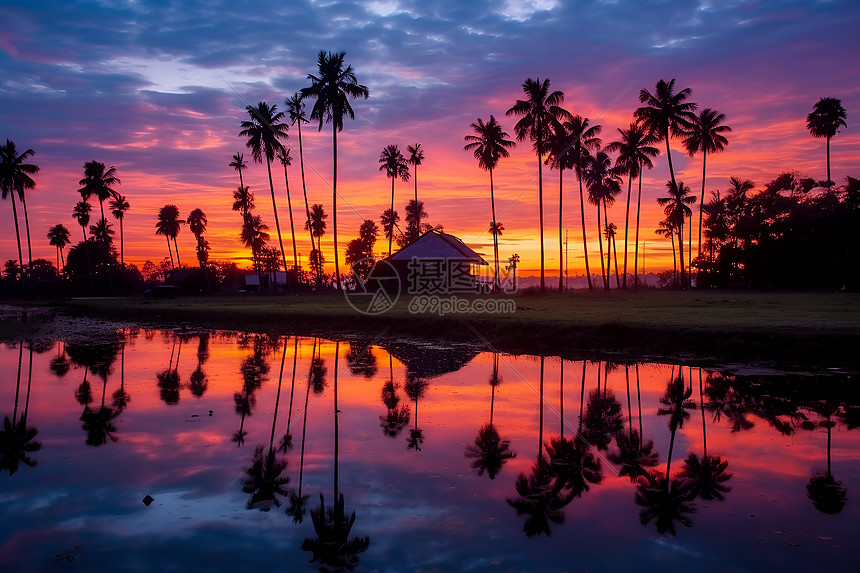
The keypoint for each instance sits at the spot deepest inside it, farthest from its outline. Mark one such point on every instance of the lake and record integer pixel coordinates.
(145, 450)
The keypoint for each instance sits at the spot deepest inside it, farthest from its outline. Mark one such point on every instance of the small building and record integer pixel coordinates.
(438, 263)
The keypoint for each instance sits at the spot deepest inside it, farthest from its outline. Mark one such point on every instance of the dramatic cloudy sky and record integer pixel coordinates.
(158, 89)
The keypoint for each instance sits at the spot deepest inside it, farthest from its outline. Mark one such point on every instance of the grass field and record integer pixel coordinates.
(786, 328)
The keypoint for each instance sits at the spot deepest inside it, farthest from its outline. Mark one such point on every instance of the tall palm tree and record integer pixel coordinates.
(254, 236)
(239, 164)
(542, 115)
(490, 143)
(286, 160)
(263, 132)
(394, 165)
(561, 157)
(119, 205)
(99, 181)
(169, 225)
(706, 135)
(585, 139)
(15, 178)
(58, 236)
(675, 205)
(81, 213)
(825, 119)
(332, 89)
(197, 222)
(666, 229)
(635, 150)
(603, 185)
(296, 111)
(666, 114)
(416, 157)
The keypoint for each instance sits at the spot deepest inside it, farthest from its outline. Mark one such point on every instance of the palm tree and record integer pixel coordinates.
(316, 225)
(825, 119)
(15, 178)
(286, 160)
(603, 185)
(99, 181)
(490, 143)
(389, 220)
(243, 200)
(169, 224)
(415, 213)
(666, 114)
(81, 213)
(490, 451)
(197, 222)
(255, 237)
(542, 115)
(416, 157)
(584, 138)
(296, 111)
(675, 206)
(119, 205)
(58, 236)
(239, 164)
(264, 130)
(332, 89)
(706, 135)
(102, 232)
(561, 157)
(666, 229)
(609, 231)
(394, 165)
(635, 150)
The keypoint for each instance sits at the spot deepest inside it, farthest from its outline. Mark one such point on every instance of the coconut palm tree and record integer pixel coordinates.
(561, 157)
(102, 232)
(296, 111)
(635, 151)
(119, 205)
(332, 90)
(239, 164)
(168, 225)
(676, 208)
(263, 131)
(58, 236)
(603, 185)
(243, 200)
(666, 229)
(389, 220)
(316, 225)
(585, 139)
(81, 213)
(416, 157)
(490, 143)
(99, 181)
(542, 115)
(285, 159)
(666, 114)
(254, 236)
(825, 119)
(15, 178)
(415, 213)
(609, 231)
(197, 222)
(706, 134)
(394, 165)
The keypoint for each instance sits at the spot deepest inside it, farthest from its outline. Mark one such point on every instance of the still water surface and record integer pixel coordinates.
(446, 459)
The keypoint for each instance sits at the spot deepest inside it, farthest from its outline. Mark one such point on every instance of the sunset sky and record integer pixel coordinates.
(158, 89)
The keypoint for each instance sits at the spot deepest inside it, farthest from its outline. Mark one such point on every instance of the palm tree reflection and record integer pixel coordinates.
(17, 439)
(415, 388)
(197, 383)
(396, 417)
(825, 491)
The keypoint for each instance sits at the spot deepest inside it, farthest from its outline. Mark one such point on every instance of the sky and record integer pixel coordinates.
(158, 90)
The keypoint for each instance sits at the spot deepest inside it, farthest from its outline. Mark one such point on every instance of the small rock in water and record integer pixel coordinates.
(210, 413)
(148, 500)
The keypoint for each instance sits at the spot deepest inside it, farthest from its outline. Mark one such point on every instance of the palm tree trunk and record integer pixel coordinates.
(17, 232)
(415, 179)
(391, 234)
(615, 255)
(540, 425)
(674, 259)
(581, 397)
(304, 187)
(561, 398)
(540, 206)
(292, 227)
(27, 227)
(277, 223)
(828, 159)
(334, 206)
(169, 251)
(600, 242)
(304, 433)
(278, 400)
(18, 384)
(702, 201)
(287, 436)
(639, 402)
(176, 248)
(63, 260)
(636, 249)
(89, 265)
(681, 251)
(584, 236)
(560, 221)
(669, 156)
(495, 234)
(690, 252)
(629, 405)
(627, 227)
(702, 406)
(121, 245)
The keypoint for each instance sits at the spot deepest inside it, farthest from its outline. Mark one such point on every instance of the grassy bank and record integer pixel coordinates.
(785, 329)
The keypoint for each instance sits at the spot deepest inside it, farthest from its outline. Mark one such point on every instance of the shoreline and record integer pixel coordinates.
(785, 331)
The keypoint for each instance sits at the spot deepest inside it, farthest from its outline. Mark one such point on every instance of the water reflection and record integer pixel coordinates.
(584, 449)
